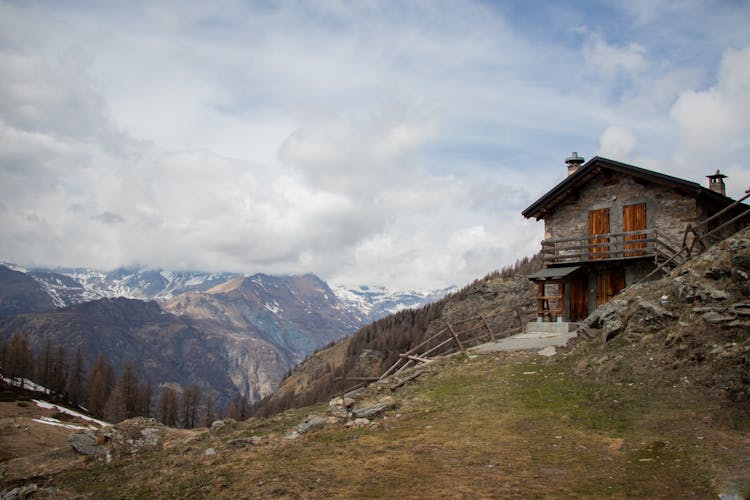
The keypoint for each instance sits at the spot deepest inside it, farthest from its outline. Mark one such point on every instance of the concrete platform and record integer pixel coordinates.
(526, 341)
(537, 327)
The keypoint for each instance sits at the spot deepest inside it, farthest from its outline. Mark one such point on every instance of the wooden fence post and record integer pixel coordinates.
(492, 335)
(455, 337)
(520, 321)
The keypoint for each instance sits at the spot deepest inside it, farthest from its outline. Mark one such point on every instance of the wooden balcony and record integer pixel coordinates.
(605, 247)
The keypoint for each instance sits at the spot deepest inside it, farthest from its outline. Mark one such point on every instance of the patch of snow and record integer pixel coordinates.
(26, 383)
(273, 308)
(13, 267)
(62, 409)
(57, 423)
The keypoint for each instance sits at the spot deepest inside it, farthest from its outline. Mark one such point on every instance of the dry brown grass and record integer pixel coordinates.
(504, 425)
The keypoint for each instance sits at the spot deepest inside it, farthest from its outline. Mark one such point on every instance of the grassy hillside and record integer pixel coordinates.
(511, 424)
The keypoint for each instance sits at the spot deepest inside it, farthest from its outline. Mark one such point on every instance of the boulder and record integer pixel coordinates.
(87, 443)
(611, 328)
(605, 312)
(311, 423)
(218, 425)
(741, 273)
(374, 410)
(339, 408)
(647, 315)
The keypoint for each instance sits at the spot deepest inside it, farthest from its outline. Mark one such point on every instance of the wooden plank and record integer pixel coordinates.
(555, 241)
(389, 370)
(425, 342)
(408, 363)
(455, 337)
(614, 242)
(407, 379)
(416, 358)
(441, 344)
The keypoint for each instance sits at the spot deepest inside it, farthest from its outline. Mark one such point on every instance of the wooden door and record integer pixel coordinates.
(634, 219)
(609, 282)
(599, 224)
(579, 297)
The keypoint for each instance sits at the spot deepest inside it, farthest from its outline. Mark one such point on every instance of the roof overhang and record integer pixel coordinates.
(552, 273)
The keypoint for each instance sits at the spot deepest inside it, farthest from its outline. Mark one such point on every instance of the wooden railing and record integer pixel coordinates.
(699, 237)
(609, 246)
(458, 336)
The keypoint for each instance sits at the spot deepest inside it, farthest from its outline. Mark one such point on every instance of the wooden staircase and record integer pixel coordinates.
(696, 239)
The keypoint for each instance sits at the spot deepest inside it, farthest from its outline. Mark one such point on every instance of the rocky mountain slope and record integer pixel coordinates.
(20, 293)
(73, 286)
(68, 286)
(296, 314)
(165, 348)
(370, 303)
(240, 337)
(255, 329)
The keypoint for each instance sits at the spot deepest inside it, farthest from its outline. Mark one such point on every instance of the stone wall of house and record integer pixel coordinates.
(667, 210)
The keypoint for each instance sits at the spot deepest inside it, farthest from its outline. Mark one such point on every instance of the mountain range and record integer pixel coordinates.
(232, 333)
(68, 286)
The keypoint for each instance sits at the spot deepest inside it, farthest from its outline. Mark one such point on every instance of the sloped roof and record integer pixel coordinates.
(596, 165)
(553, 272)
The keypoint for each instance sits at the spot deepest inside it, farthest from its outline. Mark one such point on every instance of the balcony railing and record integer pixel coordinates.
(602, 247)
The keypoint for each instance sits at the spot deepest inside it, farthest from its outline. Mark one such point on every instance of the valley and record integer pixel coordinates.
(229, 334)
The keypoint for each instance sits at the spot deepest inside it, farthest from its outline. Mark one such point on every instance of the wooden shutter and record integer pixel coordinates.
(599, 224)
(634, 219)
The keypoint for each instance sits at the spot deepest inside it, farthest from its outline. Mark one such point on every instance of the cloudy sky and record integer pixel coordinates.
(380, 142)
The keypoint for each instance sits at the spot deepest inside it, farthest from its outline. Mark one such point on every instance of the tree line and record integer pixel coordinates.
(100, 390)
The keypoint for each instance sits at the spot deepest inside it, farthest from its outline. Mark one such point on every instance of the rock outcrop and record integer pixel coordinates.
(129, 437)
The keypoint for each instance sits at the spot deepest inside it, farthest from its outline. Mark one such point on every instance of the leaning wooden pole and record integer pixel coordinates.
(455, 337)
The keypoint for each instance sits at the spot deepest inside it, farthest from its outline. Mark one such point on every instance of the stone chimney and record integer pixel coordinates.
(716, 182)
(574, 162)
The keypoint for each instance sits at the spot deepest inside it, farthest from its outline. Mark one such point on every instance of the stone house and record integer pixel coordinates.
(609, 224)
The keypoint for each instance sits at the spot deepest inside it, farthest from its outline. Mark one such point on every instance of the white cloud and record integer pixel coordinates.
(367, 142)
(617, 143)
(610, 60)
(713, 130)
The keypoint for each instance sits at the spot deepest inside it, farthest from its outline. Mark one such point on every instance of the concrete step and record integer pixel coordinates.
(536, 328)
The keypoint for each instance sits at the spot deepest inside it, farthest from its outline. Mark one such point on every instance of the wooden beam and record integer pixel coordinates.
(455, 337)
(416, 358)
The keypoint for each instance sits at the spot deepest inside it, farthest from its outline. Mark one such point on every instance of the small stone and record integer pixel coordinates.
(548, 351)
(719, 294)
(717, 317)
(731, 496)
(740, 309)
(292, 435)
(357, 422)
(209, 452)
